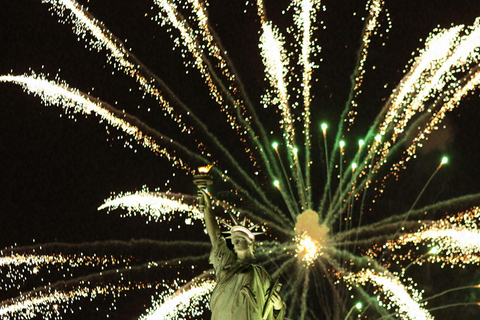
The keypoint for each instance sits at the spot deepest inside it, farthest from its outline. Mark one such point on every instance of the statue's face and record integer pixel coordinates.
(240, 244)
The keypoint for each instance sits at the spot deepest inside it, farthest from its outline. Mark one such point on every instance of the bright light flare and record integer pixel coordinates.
(354, 166)
(308, 249)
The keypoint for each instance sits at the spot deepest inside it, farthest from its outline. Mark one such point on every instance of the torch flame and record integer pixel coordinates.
(205, 169)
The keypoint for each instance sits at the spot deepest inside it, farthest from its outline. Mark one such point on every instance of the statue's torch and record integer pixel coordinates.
(202, 179)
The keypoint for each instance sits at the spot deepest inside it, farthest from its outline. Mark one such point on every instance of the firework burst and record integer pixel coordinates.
(321, 203)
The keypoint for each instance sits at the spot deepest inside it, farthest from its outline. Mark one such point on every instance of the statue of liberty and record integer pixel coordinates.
(243, 290)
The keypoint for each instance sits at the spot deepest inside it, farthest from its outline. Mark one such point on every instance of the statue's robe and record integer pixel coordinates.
(242, 287)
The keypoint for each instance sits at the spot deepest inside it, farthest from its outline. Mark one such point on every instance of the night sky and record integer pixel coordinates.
(55, 171)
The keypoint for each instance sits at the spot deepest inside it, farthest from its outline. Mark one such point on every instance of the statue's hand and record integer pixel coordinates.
(203, 195)
(277, 301)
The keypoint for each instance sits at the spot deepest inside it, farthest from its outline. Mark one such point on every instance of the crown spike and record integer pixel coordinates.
(228, 225)
(244, 223)
(233, 218)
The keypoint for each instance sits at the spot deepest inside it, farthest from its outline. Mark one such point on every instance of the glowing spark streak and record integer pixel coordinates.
(27, 306)
(161, 206)
(456, 239)
(215, 51)
(435, 49)
(466, 48)
(37, 260)
(459, 239)
(85, 23)
(199, 11)
(303, 20)
(374, 8)
(394, 289)
(193, 45)
(31, 260)
(31, 305)
(104, 39)
(181, 301)
(275, 60)
(443, 53)
(60, 94)
(452, 103)
(171, 13)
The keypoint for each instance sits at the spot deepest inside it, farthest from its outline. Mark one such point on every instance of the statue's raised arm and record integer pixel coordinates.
(213, 229)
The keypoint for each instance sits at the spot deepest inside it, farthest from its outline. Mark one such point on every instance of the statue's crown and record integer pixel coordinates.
(242, 229)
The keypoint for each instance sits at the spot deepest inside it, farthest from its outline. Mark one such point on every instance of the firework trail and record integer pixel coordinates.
(156, 205)
(406, 302)
(185, 297)
(317, 243)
